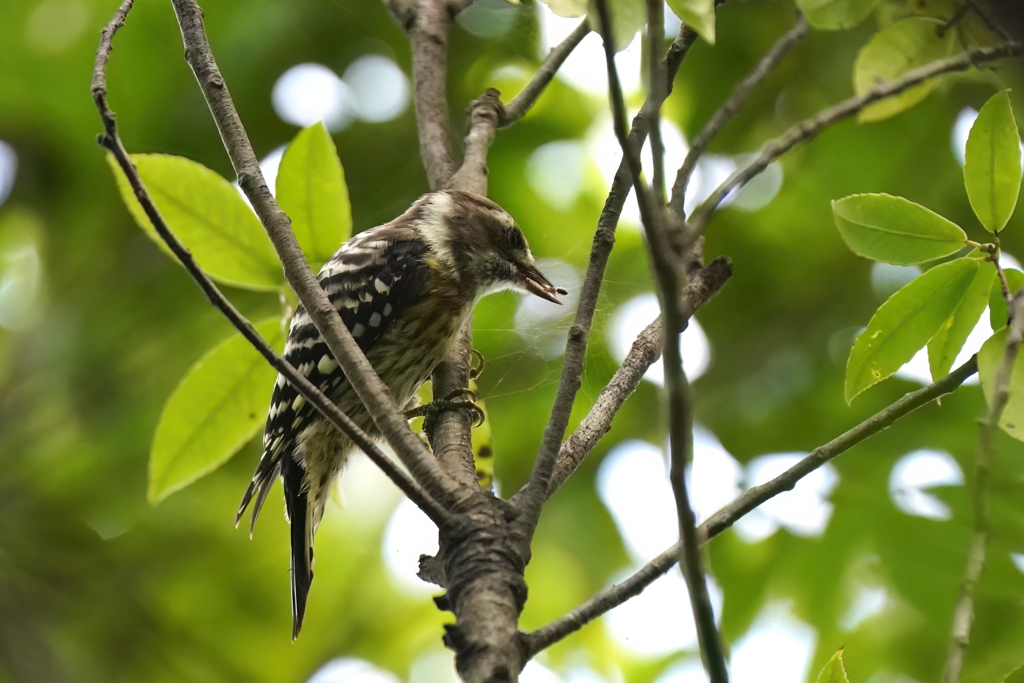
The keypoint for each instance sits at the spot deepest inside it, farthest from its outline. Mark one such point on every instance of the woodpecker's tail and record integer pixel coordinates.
(299, 514)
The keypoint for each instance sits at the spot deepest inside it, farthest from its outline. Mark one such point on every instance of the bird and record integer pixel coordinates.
(404, 290)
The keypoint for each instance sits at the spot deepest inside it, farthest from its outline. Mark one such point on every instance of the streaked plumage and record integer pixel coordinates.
(404, 290)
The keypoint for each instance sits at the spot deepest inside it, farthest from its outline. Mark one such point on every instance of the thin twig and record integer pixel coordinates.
(701, 286)
(723, 519)
(809, 128)
(528, 96)
(656, 86)
(111, 141)
(531, 497)
(731, 107)
(666, 272)
(963, 617)
(485, 113)
(358, 371)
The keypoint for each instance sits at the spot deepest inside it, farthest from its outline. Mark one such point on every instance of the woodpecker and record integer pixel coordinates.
(404, 290)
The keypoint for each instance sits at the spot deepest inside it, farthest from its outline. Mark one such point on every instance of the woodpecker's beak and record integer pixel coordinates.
(535, 283)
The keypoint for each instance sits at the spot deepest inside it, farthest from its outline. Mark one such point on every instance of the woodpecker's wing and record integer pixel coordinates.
(370, 281)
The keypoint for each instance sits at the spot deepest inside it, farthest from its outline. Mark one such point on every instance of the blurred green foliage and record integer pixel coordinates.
(98, 585)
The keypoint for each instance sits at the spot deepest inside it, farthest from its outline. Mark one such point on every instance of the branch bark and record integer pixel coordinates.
(528, 96)
(701, 286)
(750, 499)
(531, 497)
(667, 270)
(963, 617)
(111, 141)
(426, 24)
(370, 389)
(808, 129)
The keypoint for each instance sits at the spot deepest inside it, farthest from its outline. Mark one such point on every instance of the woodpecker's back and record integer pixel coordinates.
(404, 290)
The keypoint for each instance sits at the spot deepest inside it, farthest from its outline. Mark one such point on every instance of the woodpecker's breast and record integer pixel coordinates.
(419, 338)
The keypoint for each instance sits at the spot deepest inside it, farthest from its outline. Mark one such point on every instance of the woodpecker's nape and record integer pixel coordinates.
(404, 290)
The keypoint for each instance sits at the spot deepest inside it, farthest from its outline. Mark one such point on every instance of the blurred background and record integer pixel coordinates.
(97, 326)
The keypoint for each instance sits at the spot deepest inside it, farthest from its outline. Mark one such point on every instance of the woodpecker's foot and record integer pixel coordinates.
(476, 368)
(460, 399)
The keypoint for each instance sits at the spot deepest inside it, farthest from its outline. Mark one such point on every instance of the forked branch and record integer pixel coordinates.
(963, 617)
(808, 129)
(750, 499)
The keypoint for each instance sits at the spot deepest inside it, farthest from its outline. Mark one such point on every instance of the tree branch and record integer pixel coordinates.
(530, 498)
(808, 129)
(963, 617)
(656, 88)
(666, 272)
(731, 107)
(111, 141)
(360, 374)
(754, 497)
(528, 96)
(428, 40)
(702, 285)
(485, 114)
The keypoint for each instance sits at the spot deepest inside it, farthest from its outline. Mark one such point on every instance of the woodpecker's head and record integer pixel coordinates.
(482, 244)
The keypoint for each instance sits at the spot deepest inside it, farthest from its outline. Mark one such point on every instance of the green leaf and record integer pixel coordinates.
(906, 322)
(834, 672)
(567, 8)
(311, 189)
(989, 358)
(892, 52)
(946, 344)
(992, 163)
(996, 303)
(216, 408)
(1015, 676)
(833, 15)
(628, 17)
(699, 15)
(895, 230)
(209, 216)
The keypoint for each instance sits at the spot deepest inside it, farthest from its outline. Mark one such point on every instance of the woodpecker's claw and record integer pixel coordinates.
(430, 411)
(476, 369)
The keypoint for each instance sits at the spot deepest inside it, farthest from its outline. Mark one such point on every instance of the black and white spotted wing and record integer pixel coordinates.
(370, 281)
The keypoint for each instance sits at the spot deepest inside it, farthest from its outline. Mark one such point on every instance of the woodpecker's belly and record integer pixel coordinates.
(405, 355)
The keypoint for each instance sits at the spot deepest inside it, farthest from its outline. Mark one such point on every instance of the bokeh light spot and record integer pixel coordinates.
(409, 534)
(962, 131)
(584, 69)
(762, 188)
(352, 670)
(868, 601)
(54, 25)
(778, 647)
(886, 278)
(378, 89)
(804, 511)
(8, 170)
(307, 93)
(920, 470)
(21, 270)
(488, 18)
(630, 320)
(659, 620)
(633, 482)
(556, 170)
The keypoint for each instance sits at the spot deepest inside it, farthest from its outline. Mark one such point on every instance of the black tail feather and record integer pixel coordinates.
(302, 540)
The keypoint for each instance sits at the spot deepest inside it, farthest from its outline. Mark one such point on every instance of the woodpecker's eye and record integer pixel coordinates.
(515, 240)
